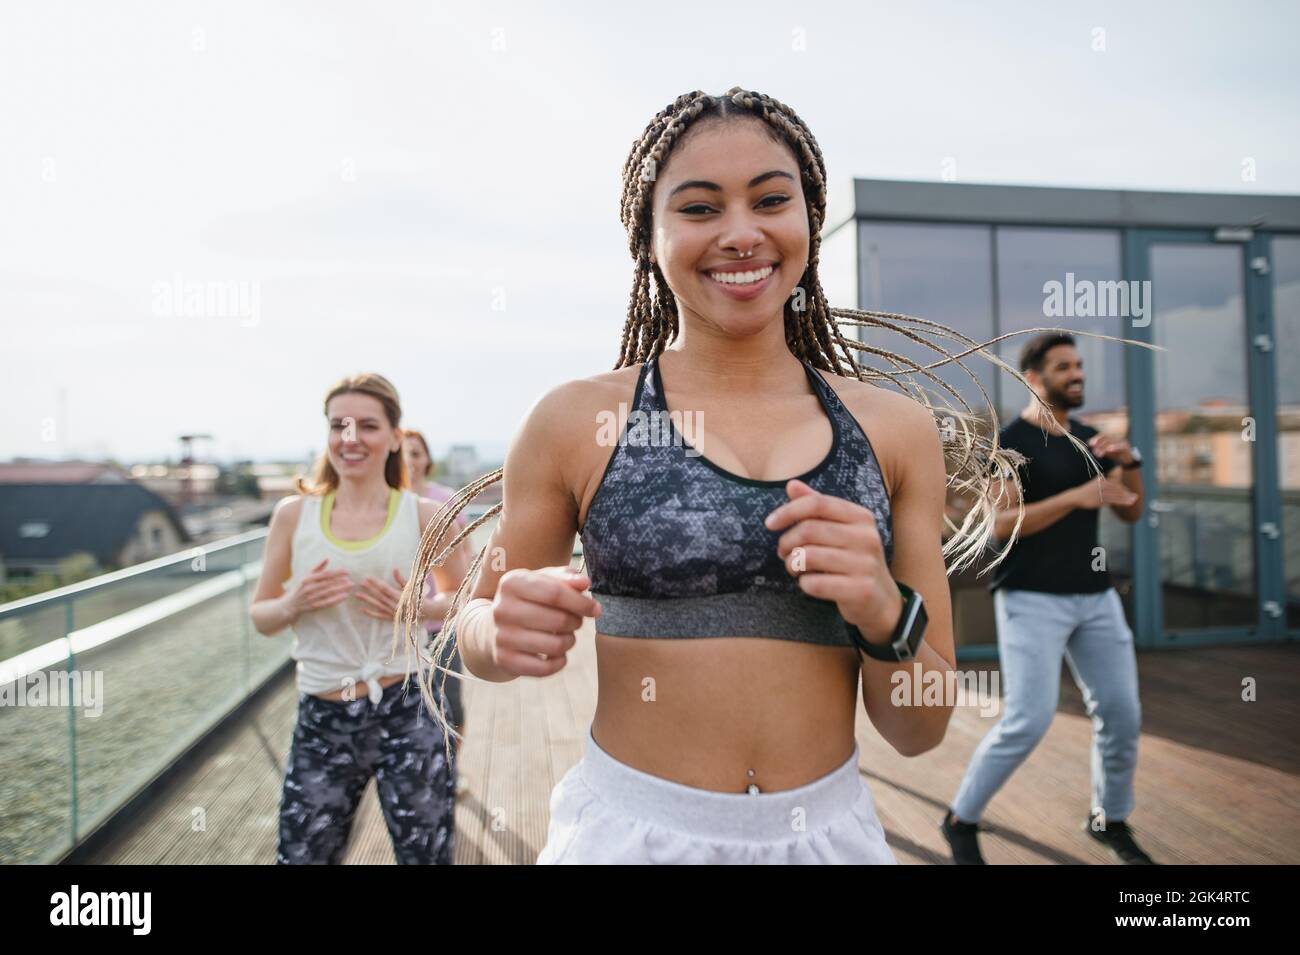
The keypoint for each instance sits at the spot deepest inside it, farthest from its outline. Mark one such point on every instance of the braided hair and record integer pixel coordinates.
(814, 332)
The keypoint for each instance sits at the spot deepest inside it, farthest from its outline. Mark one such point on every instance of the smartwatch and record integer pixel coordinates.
(1137, 460)
(906, 638)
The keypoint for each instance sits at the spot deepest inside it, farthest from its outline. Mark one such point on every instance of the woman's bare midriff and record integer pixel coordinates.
(357, 692)
(705, 712)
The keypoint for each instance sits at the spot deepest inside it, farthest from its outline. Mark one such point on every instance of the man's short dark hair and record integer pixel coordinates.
(1035, 351)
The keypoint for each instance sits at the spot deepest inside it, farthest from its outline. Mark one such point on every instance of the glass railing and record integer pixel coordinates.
(103, 684)
(108, 681)
(1207, 539)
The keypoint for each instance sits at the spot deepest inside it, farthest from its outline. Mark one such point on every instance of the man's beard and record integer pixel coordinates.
(1063, 399)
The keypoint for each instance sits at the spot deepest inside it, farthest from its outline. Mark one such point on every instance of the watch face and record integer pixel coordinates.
(911, 625)
(918, 628)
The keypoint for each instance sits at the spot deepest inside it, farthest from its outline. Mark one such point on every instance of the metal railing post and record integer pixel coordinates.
(68, 627)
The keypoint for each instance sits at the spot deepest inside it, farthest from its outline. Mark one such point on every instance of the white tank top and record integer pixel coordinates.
(340, 646)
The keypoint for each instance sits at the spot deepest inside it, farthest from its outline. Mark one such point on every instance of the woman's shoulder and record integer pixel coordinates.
(435, 491)
(599, 385)
(285, 514)
(561, 441)
(582, 400)
(289, 506)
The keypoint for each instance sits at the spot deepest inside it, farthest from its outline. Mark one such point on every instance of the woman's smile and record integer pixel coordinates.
(743, 282)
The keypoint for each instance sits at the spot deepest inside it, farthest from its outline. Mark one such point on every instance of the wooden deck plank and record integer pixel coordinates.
(262, 750)
(1216, 782)
(171, 816)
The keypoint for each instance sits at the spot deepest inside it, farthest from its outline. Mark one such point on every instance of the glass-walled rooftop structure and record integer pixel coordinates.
(1216, 556)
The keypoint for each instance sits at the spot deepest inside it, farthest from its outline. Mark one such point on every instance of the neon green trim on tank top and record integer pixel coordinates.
(327, 507)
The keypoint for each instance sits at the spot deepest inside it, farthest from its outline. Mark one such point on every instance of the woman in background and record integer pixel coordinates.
(333, 572)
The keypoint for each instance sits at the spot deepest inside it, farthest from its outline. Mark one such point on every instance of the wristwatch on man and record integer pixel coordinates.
(907, 635)
(1137, 460)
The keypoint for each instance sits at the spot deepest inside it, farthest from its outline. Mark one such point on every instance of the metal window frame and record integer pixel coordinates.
(1142, 218)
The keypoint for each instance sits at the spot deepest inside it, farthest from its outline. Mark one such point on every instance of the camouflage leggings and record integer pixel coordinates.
(336, 747)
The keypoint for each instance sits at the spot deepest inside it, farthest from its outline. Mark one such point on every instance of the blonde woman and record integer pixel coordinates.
(333, 573)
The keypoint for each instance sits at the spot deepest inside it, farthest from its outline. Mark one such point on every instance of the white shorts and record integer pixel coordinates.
(605, 812)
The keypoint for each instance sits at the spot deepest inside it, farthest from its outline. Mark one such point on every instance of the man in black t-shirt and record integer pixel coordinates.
(1053, 599)
(1056, 551)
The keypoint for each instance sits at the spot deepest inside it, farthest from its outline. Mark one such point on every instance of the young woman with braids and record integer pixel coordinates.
(744, 584)
(332, 573)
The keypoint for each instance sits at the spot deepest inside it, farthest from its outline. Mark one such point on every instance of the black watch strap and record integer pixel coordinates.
(907, 635)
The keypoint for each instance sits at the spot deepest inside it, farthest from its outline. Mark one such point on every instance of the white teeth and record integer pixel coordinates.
(741, 278)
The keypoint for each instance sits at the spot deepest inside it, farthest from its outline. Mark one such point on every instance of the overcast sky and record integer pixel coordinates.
(430, 190)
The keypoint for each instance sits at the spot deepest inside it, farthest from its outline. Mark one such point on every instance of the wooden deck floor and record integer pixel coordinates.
(1216, 783)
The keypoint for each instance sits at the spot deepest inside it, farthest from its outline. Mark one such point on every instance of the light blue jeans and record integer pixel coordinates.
(1034, 631)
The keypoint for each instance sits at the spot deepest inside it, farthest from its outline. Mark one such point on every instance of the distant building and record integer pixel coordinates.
(27, 471)
(275, 481)
(461, 465)
(181, 484)
(80, 509)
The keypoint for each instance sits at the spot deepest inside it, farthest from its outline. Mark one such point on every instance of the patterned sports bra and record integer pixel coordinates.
(676, 547)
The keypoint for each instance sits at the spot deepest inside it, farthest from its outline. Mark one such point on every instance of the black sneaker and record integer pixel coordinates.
(1118, 838)
(962, 840)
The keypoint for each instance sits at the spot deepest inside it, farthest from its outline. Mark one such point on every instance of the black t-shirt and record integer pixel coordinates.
(1058, 559)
